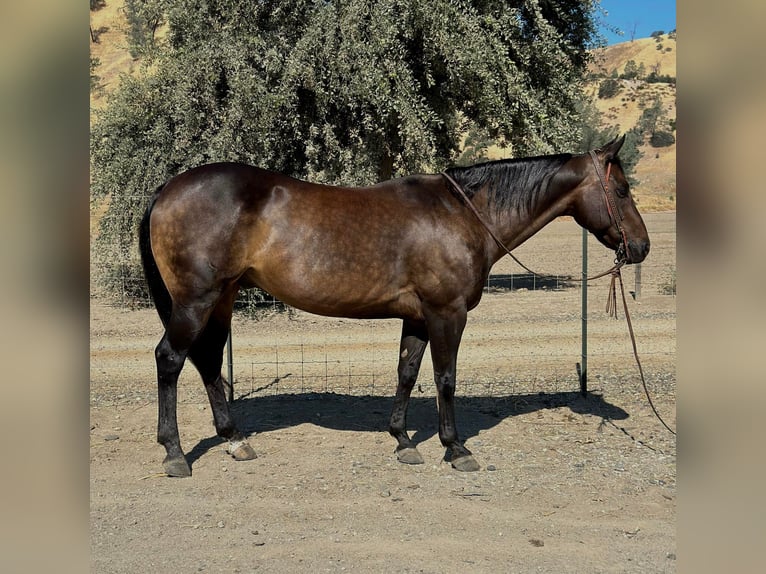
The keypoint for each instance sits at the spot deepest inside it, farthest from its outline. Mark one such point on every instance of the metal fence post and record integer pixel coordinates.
(230, 371)
(583, 365)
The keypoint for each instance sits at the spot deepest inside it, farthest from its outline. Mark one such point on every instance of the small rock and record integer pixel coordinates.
(385, 493)
(536, 543)
(220, 524)
(491, 467)
(111, 437)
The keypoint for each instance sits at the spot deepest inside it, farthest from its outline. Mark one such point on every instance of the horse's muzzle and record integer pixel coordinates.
(637, 250)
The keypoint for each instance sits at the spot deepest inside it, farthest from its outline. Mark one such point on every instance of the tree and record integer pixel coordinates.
(351, 92)
(651, 116)
(654, 122)
(631, 70)
(609, 88)
(144, 17)
(594, 132)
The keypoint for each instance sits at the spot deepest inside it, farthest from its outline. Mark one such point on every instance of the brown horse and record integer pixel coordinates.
(409, 248)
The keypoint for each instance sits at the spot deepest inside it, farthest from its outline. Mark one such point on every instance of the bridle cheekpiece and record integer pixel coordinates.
(612, 208)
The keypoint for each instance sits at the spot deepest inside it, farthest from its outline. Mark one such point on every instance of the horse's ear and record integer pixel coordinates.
(610, 150)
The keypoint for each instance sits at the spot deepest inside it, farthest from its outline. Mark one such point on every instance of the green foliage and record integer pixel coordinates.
(475, 148)
(650, 116)
(144, 17)
(352, 92)
(593, 133)
(661, 138)
(591, 129)
(95, 79)
(654, 78)
(631, 70)
(630, 154)
(653, 122)
(609, 88)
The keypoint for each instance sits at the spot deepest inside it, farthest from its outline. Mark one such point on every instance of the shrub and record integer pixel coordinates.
(662, 139)
(668, 286)
(609, 88)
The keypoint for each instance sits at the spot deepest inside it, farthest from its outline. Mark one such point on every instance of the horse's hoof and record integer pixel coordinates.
(465, 463)
(409, 456)
(176, 467)
(241, 450)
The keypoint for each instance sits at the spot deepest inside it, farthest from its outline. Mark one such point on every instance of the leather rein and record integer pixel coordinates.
(611, 206)
(621, 258)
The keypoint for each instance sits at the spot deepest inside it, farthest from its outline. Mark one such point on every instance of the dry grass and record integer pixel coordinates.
(111, 49)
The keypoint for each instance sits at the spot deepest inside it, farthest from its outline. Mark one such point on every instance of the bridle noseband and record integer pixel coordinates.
(611, 206)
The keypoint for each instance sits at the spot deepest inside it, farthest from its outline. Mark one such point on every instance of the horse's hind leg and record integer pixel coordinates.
(413, 344)
(171, 352)
(207, 355)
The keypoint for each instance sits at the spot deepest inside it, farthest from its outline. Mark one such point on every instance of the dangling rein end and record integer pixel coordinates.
(611, 300)
(611, 309)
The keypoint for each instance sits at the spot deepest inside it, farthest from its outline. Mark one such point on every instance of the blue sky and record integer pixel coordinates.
(646, 15)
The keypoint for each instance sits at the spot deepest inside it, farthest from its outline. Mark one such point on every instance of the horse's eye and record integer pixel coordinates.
(621, 191)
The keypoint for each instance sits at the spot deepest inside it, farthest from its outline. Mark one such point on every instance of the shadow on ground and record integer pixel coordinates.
(371, 413)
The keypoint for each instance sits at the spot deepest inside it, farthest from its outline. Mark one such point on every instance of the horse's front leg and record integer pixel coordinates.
(413, 345)
(445, 329)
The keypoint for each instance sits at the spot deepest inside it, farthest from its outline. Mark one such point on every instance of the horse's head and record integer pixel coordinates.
(604, 206)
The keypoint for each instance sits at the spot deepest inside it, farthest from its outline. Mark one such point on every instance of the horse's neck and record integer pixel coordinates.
(514, 227)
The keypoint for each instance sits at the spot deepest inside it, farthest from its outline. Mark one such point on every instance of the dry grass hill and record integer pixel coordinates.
(656, 171)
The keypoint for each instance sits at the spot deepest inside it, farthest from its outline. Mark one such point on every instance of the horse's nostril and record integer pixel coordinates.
(639, 250)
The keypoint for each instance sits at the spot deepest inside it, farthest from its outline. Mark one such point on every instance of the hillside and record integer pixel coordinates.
(655, 171)
(108, 23)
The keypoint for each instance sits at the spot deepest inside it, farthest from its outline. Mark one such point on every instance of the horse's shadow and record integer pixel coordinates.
(371, 413)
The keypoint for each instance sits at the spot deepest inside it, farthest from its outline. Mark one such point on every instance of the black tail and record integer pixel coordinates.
(157, 288)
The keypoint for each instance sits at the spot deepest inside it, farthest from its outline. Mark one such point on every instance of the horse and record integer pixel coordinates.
(407, 248)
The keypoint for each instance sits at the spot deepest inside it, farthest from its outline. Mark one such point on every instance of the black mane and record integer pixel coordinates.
(512, 184)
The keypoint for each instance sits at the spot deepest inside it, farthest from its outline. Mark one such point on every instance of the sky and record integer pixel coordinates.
(646, 15)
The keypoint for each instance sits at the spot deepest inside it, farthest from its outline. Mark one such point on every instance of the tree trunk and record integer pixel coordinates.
(386, 169)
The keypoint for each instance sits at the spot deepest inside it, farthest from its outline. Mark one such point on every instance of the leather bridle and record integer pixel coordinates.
(611, 206)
